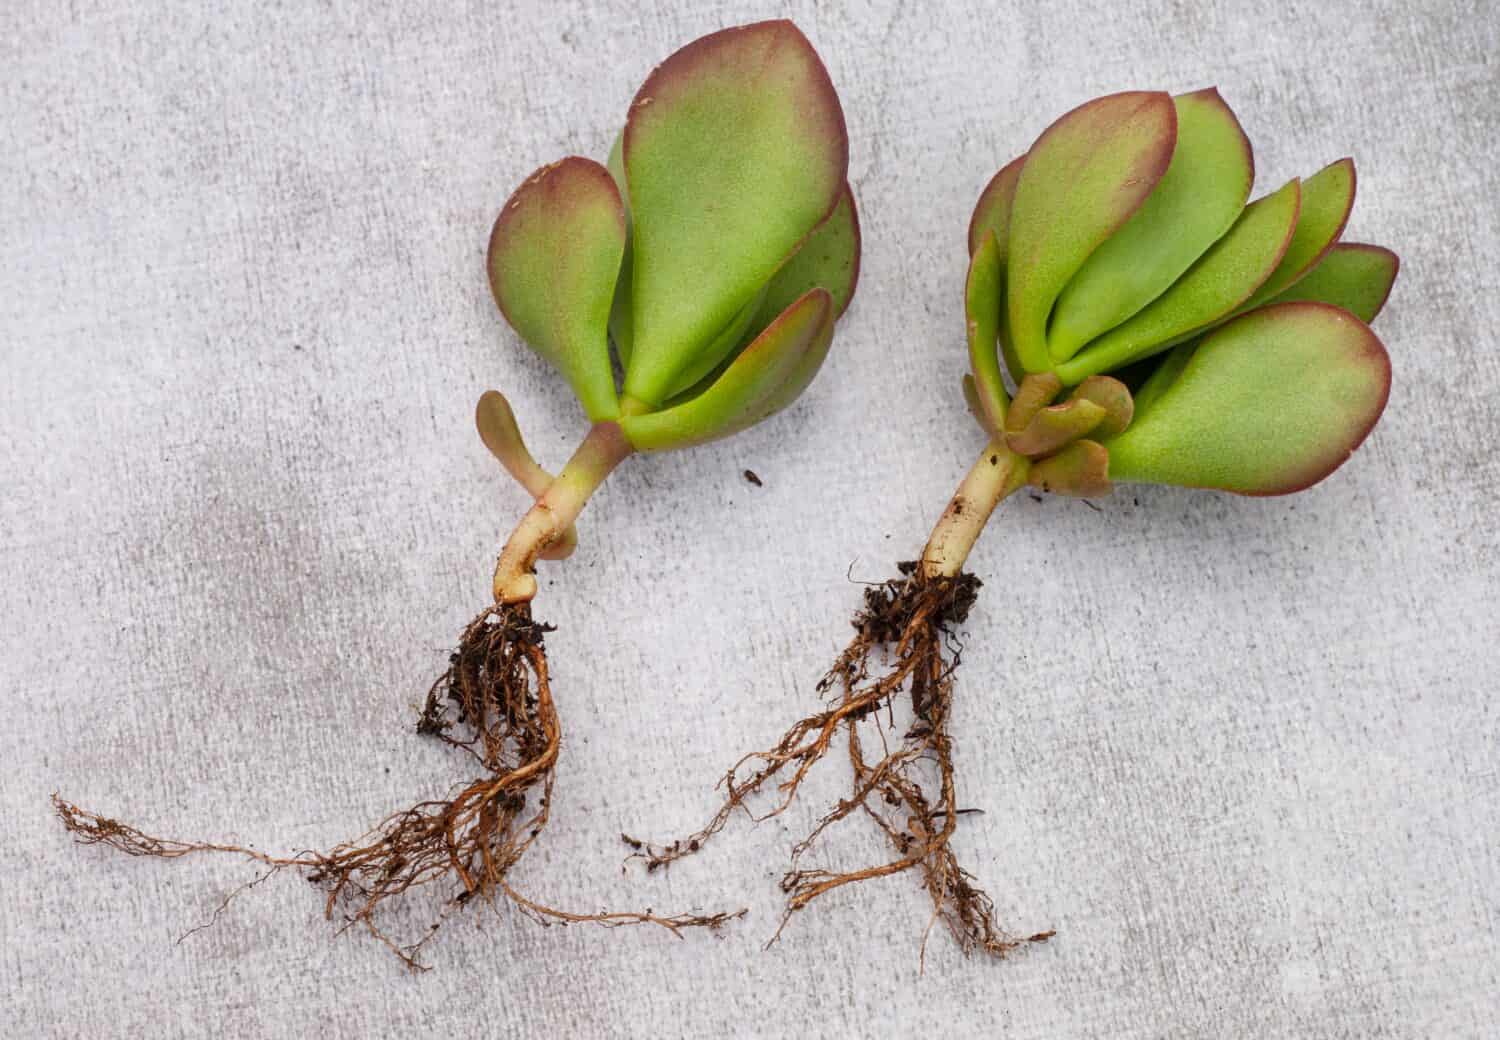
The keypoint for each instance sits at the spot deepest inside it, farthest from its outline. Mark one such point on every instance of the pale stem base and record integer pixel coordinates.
(602, 450)
(995, 475)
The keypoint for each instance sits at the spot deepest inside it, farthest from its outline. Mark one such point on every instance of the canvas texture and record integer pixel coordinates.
(1241, 754)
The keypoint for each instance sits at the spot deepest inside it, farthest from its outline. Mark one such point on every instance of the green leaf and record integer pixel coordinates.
(1081, 470)
(720, 350)
(1267, 404)
(735, 150)
(1164, 373)
(1081, 181)
(828, 258)
(992, 211)
(1212, 288)
(1327, 198)
(976, 408)
(621, 322)
(1353, 276)
(982, 308)
(1196, 201)
(768, 375)
(553, 259)
(804, 370)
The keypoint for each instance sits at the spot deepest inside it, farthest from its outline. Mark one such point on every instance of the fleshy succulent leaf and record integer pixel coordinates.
(992, 216)
(719, 351)
(554, 256)
(1196, 201)
(766, 376)
(1084, 178)
(621, 320)
(1111, 395)
(1327, 198)
(1164, 371)
(982, 304)
(828, 258)
(501, 434)
(1081, 470)
(992, 211)
(804, 370)
(734, 151)
(1353, 276)
(621, 323)
(1212, 288)
(1267, 404)
(1035, 391)
(1056, 425)
(976, 407)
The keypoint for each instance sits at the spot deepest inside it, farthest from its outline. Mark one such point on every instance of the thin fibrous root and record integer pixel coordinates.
(494, 703)
(914, 618)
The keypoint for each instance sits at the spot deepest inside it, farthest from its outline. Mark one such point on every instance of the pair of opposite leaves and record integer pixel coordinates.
(721, 244)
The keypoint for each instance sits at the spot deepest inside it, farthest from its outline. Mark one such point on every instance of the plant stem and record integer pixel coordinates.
(996, 474)
(602, 450)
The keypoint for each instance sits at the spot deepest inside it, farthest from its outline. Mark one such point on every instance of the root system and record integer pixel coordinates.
(908, 789)
(493, 704)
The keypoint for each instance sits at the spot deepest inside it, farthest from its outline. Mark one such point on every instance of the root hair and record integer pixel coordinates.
(914, 617)
(493, 704)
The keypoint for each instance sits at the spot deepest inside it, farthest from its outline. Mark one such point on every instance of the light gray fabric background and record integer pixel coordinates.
(1241, 754)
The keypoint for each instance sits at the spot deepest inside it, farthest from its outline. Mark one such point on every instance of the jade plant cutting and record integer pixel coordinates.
(1154, 328)
(714, 253)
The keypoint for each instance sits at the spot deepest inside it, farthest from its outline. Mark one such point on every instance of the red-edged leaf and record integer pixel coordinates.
(735, 150)
(1084, 178)
(553, 259)
(1268, 404)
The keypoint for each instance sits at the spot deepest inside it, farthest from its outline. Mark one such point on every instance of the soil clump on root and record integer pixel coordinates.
(908, 789)
(494, 704)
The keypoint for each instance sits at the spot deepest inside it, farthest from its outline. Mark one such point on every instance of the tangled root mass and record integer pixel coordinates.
(493, 704)
(908, 790)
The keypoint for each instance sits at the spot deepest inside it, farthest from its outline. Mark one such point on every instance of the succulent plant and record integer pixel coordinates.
(714, 251)
(1120, 250)
(1129, 318)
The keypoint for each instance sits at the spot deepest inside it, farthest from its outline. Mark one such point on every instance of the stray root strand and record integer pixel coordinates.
(914, 617)
(494, 703)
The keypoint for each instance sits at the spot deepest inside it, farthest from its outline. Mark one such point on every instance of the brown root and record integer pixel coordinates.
(914, 617)
(494, 703)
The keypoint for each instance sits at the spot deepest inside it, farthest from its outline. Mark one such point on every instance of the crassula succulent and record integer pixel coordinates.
(1121, 245)
(715, 252)
(1129, 318)
(710, 258)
